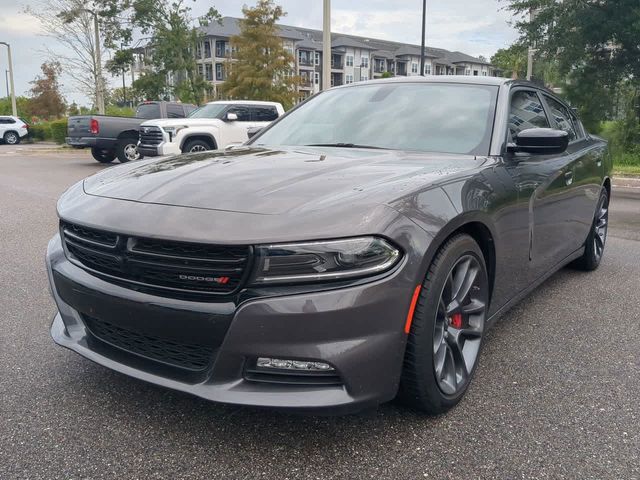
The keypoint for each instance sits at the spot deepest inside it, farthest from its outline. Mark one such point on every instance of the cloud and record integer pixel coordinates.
(19, 25)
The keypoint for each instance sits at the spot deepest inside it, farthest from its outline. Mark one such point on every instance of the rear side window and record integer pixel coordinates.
(7, 120)
(526, 112)
(148, 111)
(563, 118)
(244, 115)
(175, 111)
(264, 114)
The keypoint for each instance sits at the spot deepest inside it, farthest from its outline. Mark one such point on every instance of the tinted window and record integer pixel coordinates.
(148, 110)
(435, 117)
(562, 117)
(243, 113)
(7, 120)
(526, 112)
(264, 114)
(211, 110)
(175, 111)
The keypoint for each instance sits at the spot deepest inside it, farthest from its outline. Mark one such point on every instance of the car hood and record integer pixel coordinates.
(270, 181)
(182, 122)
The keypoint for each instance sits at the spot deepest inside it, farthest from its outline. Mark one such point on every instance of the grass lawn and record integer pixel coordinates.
(626, 164)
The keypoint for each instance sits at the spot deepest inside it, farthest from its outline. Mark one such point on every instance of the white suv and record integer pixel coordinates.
(213, 126)
(12, 129)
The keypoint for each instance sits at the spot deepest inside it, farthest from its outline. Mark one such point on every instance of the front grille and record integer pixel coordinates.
(178, 269)
(182, 355)
(150, 136)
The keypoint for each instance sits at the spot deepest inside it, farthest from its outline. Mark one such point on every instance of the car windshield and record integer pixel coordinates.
(148, 110)
(429, 117)
(211, 110)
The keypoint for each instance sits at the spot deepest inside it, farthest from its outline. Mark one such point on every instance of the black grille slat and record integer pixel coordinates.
(182, 355)
(151, 136)
(160, 266)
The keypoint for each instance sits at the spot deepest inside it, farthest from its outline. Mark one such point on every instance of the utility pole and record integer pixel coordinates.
(99, 83)
(13, 92)
(424, 34)
(531, 50)
(326, 46)
(6, 80)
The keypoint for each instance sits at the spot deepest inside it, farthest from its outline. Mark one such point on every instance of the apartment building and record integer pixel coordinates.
(353, 58)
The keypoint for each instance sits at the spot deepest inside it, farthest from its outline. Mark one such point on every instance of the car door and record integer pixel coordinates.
(236, 131)
(586, 166)
(541, 181)
(263, 115)
(3, 126)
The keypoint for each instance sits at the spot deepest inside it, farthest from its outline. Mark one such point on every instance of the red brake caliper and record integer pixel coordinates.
(456, 320)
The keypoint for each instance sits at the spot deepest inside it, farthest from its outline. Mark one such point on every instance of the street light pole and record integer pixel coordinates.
(13, 92)
(326, 46)
(99, 83)
(424, 33)
(6, 79)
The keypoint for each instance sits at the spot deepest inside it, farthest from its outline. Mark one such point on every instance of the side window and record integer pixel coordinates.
(563, 117)
(526, 112)
(264, 114)
(7, 120)
(175, 111)
(243, 113)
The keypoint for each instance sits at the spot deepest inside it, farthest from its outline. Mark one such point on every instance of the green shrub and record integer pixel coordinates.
(116, 111)
(40, 132)
(59, 130)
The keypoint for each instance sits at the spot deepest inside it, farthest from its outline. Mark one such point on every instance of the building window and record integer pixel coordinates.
(414, 68)
(349, 60)
(200, 70)
(316, 78)
(221, 48)
(348, 78)
(207, 49)
(364, 62)
(364, 77)
(219, 72)
(317, 59)
(467, 71)
(304, 57)
(484, 73)
(427, 69)
(198, 50)
(209, 72)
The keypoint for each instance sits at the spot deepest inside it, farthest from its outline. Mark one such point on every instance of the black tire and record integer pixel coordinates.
(11, 138)
(103, 156)
(194, 146)
(422, 386)
(597, 238)
(127, 150)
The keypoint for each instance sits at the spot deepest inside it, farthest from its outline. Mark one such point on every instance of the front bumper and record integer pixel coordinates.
(358, 330)
(159, 150)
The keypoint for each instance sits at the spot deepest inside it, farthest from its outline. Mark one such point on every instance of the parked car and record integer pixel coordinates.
(215, 125)
(111, 137)
(12, 129)
(356, 249)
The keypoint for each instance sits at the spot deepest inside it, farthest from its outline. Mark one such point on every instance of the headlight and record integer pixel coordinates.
(173, 131)
(324, 261)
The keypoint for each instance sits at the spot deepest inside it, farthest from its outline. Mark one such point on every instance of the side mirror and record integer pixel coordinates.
(253, 131)
(231, 117)
(541, 141)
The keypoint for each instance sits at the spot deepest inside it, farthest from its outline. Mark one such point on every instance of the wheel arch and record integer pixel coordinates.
(128, 134)
(205, 137)
(607, 185)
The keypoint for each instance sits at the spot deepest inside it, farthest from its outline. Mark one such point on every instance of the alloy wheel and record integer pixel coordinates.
(131, 152)
(459, 325)
(11, 138)
(600, 227)
(197, 148)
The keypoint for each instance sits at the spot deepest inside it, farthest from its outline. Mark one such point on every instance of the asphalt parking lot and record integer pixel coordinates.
(557, 393)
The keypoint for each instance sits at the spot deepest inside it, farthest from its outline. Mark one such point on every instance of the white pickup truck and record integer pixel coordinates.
(213, 126)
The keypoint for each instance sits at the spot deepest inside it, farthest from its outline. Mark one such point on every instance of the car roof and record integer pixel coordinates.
(463, 79)
(243, 102)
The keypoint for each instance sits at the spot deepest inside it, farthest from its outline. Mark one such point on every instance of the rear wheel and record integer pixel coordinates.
(448, 327)
(127, 150)
(103, 156)
(597, 238)
(11, 138)
(193, 146)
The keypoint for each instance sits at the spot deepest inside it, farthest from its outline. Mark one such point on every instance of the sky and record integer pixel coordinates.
(475, 27)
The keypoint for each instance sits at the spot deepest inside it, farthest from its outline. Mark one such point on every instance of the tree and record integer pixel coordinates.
(262, 68)
(173, 36)
(593, 44)
(512, 61)
(47, 101)
(69, 24)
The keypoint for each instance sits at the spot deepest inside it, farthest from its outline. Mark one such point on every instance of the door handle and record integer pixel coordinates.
(568, 178)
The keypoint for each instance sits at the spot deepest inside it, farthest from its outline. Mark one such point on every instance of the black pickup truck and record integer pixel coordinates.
(111, 137)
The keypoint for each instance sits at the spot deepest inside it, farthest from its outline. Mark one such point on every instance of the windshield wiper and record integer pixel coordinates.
(344, 145)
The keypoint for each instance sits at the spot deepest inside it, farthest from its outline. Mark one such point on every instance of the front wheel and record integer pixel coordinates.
(194, 146)
(597, 238)
(448, 326)
(103, 156)
(11, 138)
(127, 150)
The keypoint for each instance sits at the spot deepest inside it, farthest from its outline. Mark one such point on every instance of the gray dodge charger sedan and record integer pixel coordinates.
(354, 251)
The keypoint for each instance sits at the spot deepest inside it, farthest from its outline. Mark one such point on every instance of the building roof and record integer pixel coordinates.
(311, 39)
